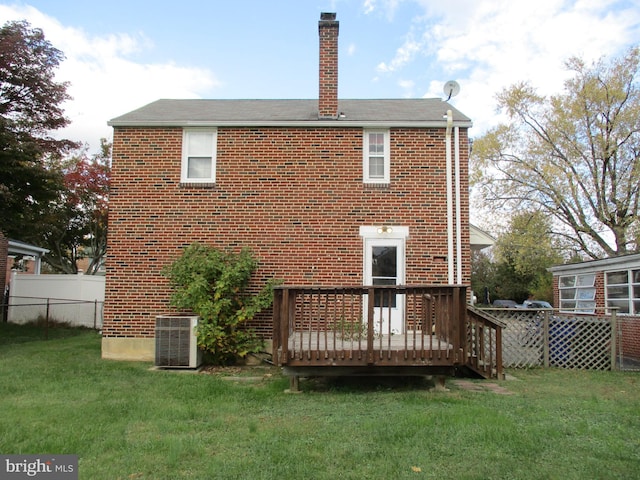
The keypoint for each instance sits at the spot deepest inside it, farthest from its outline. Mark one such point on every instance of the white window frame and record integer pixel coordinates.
(184, 174)
(386, 155)
(629, 284)
(577, 293)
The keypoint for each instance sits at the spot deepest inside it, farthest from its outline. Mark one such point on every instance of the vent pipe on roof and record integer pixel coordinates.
(328, 98)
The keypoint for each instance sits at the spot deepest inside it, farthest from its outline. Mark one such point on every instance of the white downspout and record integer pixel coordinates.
(449, 198)
(456, 137)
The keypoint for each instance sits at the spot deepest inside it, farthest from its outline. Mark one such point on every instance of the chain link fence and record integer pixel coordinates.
(48, 312)
(545, 338)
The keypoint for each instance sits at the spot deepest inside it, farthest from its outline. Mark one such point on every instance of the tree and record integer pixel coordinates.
(575, 156)
(30, 108)
(75, 226)
(523, 254)
(517, 265)
(483, 277)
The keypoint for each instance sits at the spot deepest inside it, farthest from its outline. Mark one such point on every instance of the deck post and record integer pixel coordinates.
(277, 321)
(294, 384)
(284, 326)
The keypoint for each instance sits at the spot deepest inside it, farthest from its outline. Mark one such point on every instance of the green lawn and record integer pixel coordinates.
(125, 421)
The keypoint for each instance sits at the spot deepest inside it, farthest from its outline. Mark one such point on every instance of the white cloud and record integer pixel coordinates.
(489, 45)
(404, 55)
(388, 7)
(105, 82)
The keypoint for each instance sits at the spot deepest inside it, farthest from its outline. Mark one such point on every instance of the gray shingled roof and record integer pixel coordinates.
(417, 112)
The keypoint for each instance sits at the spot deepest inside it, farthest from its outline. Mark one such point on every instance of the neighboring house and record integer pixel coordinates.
(596, 286)
(318, 189)
(480, 239)
(23, 257)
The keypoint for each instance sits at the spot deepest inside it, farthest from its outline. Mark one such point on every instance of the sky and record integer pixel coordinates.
(123, 54)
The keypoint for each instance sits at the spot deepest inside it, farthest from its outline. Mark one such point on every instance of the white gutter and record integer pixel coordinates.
(449, 198)
(458, 208)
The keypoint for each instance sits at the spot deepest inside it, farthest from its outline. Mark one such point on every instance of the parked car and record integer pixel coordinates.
(504, 303)
(537, 304)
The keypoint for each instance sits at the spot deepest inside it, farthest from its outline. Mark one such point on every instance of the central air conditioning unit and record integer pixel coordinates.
(176, 343)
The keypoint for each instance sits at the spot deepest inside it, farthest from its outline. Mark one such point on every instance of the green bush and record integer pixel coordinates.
(213, 285)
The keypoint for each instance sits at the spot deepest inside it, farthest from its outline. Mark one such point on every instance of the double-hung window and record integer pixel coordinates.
(623, 291)
(376, 159)
(199, 156)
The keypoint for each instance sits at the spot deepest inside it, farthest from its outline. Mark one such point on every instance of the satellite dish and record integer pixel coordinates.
(451, 89)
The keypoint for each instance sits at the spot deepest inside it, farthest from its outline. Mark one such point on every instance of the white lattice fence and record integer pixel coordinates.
(534, 338)
(580, 342)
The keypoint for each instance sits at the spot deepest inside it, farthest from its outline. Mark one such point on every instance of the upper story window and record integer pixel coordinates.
(578, 293)
(623, 291)
(376, 158)
(199, 156)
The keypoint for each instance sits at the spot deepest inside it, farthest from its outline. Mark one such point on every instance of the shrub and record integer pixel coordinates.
(213, 285)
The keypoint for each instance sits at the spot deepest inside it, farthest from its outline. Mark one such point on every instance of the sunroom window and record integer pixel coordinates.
(623, 291)
(578, 293)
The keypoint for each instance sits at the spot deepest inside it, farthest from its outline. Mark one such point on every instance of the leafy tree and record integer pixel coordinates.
(483, 277)
(75, 226)
(523, 254)
(214, 285)
(30, 108)
(575, 157)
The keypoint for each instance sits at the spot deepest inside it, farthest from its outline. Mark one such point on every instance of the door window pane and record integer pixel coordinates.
(384, 270)
(385, 262)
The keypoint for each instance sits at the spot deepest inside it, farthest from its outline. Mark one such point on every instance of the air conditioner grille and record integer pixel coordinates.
(176, 342)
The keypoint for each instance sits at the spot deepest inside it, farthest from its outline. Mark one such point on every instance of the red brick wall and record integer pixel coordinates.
(629, 326)
(294, 196)
(629, 344)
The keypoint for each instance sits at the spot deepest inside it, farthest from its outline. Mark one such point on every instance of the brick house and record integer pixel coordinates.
(316, 188)
(597, 285)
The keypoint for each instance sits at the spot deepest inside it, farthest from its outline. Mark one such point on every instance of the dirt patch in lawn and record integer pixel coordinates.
(481, 386)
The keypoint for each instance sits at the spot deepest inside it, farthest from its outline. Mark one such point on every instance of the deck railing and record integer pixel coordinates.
(358, 326)
(484, 343)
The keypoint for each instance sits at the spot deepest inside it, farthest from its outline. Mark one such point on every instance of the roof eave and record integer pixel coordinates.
(290, 123)
(21, 248)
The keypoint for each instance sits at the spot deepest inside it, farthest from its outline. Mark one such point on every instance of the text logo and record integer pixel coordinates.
(50, 467)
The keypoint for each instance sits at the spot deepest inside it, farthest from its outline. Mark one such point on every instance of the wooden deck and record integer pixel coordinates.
(344, 331)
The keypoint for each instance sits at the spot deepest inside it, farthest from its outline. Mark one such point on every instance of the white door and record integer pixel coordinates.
(384, 265)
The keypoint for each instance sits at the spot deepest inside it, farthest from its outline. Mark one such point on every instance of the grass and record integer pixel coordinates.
(125, 421)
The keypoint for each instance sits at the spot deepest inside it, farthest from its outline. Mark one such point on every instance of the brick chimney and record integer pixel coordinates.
(328, 100)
